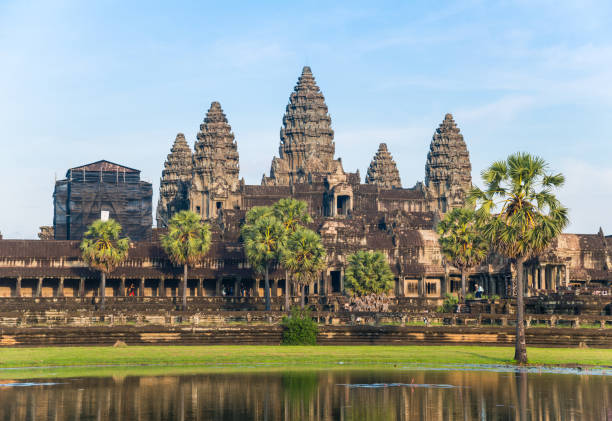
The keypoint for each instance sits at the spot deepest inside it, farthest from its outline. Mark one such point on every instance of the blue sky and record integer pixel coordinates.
(83, 81)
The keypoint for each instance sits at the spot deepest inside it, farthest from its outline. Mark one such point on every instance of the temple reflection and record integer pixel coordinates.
(314, 395)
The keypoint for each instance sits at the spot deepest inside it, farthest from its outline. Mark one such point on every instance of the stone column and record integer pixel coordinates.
(273, 287)
(161, 289)
(567, 276)
(421, 286)
(555, 277)
(218, 286)
(342, 281)
(18, 287)
(327, 281)
(60, 287)
(255, 287)
(237, 287)
(311, 288)
(122, 287)
(81, 287)
(200, 287)
(141, 287)
(541, 276)
(39, 287)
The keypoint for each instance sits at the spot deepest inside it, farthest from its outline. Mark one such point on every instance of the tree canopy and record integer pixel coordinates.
(461, 241)
(368, 272)
(102, 247)
(188, 239)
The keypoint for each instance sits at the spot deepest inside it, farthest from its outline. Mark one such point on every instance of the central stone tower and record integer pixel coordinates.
(306, 151)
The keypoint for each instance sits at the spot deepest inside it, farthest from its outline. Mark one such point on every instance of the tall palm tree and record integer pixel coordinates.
(264, 237)
(305, 257)
(461, 241)
(368, 272)
(293, 214)
(103, 250)
(522, 217)
(186, 243)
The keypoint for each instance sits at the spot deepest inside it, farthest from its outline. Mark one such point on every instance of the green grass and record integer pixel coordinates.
(277, 357)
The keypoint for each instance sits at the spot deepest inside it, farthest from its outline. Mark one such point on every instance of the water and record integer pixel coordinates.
(388, 394)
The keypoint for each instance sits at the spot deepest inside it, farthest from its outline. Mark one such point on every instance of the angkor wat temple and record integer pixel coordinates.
(378, 214)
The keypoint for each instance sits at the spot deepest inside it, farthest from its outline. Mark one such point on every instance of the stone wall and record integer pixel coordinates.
(271, 335)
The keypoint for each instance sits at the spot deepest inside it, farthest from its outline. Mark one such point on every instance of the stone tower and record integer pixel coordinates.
(216, 168)
(307, 147)
(383, 171)
(448, 172)
(175, 181)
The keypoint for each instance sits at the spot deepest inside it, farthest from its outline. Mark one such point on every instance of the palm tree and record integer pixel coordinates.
(292, 213)
(305, 257)
(103, 250)
(368, 272)
(522, 217)
(264, 237)
(186, 243)
(461, 241)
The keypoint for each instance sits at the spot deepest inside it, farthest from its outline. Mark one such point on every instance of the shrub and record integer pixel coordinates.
(449, 304)
(299, 328)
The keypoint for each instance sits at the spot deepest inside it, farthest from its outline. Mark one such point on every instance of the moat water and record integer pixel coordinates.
(397, 394)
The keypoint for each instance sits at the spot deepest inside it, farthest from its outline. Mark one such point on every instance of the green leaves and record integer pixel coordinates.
(264, 238)
(520, 214)
(461, 238)
(275, 234)
(188, 239)
(101, 248)
(304, 255)
(368, 272)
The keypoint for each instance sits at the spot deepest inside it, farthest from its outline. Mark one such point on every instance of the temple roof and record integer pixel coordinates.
(383, 171)
(104, 165)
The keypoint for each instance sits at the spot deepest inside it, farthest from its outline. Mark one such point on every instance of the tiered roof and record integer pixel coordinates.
(448, 172)
(216, 158)
(306, 138)
(383, 171)
(175, 181)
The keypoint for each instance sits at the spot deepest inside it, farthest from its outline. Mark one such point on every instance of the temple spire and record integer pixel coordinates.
(306, 139)
(383, 170)
(215, 183)
(216, 152)
(448, 172)
(175, 181)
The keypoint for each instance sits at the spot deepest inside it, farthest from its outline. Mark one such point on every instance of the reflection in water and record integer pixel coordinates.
(314, 395)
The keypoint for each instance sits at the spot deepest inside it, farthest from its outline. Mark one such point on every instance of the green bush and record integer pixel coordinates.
(299, 328)
(449, 304)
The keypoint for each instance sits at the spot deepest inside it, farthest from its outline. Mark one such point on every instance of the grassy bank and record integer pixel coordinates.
(292, 356)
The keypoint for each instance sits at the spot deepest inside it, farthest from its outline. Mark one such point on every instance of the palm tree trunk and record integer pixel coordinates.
(287, 291)
(520, 352)
(303, 288)
(185, 287)
(102, 290)
(463, 283)
(267, 289)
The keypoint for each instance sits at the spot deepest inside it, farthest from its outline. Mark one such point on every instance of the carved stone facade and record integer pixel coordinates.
(176, 181)
(306, 139)
(215, 184)
(383, 171)
(448, 172)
